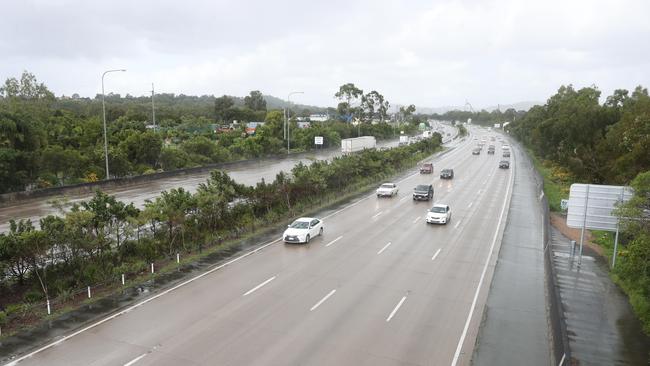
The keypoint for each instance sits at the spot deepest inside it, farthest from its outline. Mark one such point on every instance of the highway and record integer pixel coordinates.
(380, 287)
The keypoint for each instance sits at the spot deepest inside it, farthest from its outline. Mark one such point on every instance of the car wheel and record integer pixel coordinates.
(307, 238)
(320, 232)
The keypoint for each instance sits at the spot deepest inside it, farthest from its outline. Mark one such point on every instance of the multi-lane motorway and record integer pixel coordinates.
(380, 287)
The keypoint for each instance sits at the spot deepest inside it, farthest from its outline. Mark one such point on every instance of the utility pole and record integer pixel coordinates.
(153, 108)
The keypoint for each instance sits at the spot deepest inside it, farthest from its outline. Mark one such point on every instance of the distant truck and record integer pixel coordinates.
(352, 145)
(427, 134)
(403, 140)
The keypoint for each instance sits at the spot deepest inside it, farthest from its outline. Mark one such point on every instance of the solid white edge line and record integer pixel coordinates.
(377, 214)
(396, 308)
(416, 219)
(136, 359)
(457, 224)
(435, 255)
(259, 286)
(384, 248)
(333, 241)
(322, 300)
(14, 362)
(480, 282)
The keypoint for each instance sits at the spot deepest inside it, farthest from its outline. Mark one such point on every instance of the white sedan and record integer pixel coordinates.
(387, 189)
(439, 214)
(302, 230)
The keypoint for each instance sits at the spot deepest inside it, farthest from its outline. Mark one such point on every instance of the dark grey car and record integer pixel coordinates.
(423, 192)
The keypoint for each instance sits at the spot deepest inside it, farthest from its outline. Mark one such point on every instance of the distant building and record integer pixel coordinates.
(252, 126)
(303, 124)
(319, 117)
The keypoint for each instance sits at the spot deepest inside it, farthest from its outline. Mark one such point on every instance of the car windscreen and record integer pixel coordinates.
(386, 186)
(437, 209)
(300, 225)
(422, 187)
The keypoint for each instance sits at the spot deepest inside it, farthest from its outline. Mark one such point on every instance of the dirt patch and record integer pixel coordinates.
(559, 222)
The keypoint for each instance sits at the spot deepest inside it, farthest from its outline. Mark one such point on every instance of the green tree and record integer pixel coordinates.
(255, 101)
(349, 95)
(221, 107)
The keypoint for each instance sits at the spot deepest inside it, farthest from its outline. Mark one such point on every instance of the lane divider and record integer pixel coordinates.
(457, 224)
(322, 300)
(333, 241)
(259, 286)
(396, 308)
(416, 219)
(435, 255)
(136, 359)
(384, 248)
(377, 214)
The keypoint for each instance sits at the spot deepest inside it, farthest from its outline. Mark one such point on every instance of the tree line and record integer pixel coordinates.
(582, 140)
(48, 141)
(96, 241)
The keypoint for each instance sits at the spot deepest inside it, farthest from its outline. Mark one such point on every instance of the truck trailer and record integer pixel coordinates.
(352, 145)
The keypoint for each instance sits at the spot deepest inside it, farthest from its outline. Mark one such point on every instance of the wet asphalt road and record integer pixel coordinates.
(248, 173)
(380, 287)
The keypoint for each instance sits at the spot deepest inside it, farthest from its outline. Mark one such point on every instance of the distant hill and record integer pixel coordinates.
(519, 106)
(277, 103)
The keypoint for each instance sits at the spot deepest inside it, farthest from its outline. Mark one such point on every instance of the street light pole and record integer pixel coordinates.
(288, 117)
(153, 108)
(104, 115)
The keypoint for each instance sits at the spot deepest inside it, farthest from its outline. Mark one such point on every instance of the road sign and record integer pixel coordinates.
(599, 201)
(591, 206)
(564, 204)
(318, 140)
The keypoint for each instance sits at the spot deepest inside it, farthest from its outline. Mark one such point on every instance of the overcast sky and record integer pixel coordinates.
(429, 53)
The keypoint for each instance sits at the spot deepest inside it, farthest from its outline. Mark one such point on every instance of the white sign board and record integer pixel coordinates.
(591, 205)
(318, 140)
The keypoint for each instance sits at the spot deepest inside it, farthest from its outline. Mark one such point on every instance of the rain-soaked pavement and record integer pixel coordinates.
(514, 330)
(63, 325)
(601, 326)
